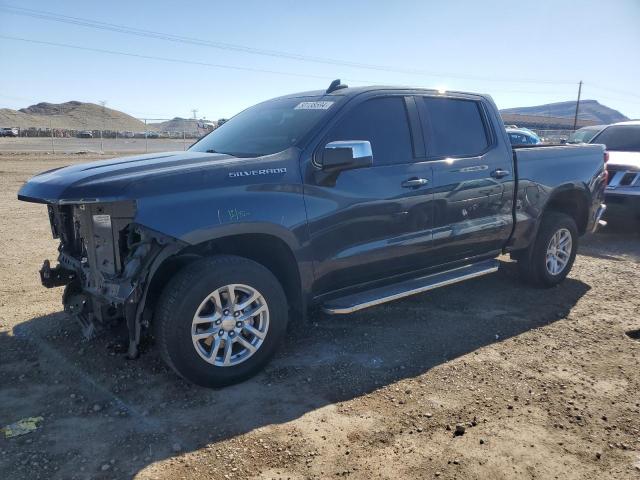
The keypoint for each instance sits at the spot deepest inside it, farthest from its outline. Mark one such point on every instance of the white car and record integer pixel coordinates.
(9, 132)
(622, 195)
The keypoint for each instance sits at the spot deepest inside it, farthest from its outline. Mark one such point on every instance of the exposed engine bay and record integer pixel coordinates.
(104, 260)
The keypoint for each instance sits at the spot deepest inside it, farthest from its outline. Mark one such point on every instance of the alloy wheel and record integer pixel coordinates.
(230, 325)
(559, 251)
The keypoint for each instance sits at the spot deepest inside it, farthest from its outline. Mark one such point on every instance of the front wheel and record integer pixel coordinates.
(550, 258)
(220, 320)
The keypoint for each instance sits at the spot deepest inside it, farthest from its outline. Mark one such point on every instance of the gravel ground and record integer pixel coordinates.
(485, 379)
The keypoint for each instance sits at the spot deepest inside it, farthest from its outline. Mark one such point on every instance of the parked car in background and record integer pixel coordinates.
(9, 132)
(153, 135)
(85, 134)
(585, 134)
(523, 136)
(341, 199)
(622, 141)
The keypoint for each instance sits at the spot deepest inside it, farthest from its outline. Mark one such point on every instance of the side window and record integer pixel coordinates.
(518, 139)
(382, 121)
(453, 127)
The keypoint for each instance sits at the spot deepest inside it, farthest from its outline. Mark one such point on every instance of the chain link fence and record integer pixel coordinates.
(553, 136)
(153, 135)
(156, 135)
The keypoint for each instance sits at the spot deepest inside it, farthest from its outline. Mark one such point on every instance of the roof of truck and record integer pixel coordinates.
(346, 91)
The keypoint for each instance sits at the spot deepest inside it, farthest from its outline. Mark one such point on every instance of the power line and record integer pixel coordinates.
(615, 90)
(84, 22)
(224, 66)
(51, 16)
(174, 60)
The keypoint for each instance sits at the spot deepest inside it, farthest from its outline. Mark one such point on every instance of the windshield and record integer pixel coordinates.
(621, 138)
(266, 128)
(583, 135)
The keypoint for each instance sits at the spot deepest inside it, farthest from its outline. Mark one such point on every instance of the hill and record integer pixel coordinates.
(177, 125)
(70, 115)
(590, 110)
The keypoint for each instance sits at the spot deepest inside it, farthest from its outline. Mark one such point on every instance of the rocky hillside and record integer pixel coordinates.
(70, 115)
(589, 110)
(177, 125)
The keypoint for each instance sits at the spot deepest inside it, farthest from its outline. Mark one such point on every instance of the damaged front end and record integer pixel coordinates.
(105, 262)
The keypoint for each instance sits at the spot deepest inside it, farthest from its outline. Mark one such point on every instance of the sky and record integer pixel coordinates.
(521, 53)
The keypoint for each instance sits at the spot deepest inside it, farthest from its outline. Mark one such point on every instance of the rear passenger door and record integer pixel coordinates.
(472, 178)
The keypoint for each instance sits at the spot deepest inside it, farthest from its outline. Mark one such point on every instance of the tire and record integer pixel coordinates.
(533, 265)
(184, 340)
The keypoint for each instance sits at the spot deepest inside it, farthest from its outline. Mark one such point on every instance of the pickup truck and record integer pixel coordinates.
(340, 200)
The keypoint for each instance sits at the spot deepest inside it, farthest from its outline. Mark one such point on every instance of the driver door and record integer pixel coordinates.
(374, 222)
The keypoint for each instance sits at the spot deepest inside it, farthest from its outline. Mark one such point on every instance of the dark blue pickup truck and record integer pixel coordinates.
(341, 199)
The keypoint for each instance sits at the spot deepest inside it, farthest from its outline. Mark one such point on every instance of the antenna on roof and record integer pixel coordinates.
(336, 85)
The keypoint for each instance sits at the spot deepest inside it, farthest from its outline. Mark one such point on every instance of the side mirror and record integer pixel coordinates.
(346, 155)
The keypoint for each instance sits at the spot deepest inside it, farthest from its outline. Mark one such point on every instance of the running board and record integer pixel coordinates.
(358, 301)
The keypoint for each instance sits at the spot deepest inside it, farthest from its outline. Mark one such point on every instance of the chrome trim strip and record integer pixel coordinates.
(616, 176)
(425, 288)
(475, 168)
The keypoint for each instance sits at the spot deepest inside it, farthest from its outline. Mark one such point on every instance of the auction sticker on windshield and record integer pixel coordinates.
(313, 105)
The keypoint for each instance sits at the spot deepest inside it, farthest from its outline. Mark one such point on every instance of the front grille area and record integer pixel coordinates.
(622, 178)
(628, 178)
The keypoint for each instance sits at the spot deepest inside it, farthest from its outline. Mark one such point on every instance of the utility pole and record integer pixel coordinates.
(575, 118)
(103, 103)
(194, 111)
(53, 148)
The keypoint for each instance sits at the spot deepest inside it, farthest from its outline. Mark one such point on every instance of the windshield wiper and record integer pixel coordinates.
(211, 150)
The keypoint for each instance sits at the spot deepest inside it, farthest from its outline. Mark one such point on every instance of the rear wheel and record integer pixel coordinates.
(219, 320)
(549, 259)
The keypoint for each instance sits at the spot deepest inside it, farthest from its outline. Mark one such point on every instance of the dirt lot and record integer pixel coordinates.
(545, 382)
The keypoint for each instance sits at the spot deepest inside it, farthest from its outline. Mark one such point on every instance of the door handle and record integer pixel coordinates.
(499, 173)
(415, 182)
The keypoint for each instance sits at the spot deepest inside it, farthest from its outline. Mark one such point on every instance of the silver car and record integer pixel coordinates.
(585, 134)
(622, 195)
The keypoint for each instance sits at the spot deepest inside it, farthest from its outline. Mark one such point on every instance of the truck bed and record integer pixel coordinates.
(542, 172)
(563, 162)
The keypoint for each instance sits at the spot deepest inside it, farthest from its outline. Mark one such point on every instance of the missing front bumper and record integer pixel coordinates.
(57, 276)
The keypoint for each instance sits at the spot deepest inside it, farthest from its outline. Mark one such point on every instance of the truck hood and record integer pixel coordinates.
(135, 176)
(629, 160)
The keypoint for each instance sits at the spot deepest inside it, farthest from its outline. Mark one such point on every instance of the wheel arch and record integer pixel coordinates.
(267, 249)
(572, 201)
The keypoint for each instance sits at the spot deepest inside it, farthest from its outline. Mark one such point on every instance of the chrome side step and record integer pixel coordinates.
(358, 301)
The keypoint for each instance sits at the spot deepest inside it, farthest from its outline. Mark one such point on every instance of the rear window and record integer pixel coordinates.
(453, 127)
(622, 138)
(518, 139)
(583, 135)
